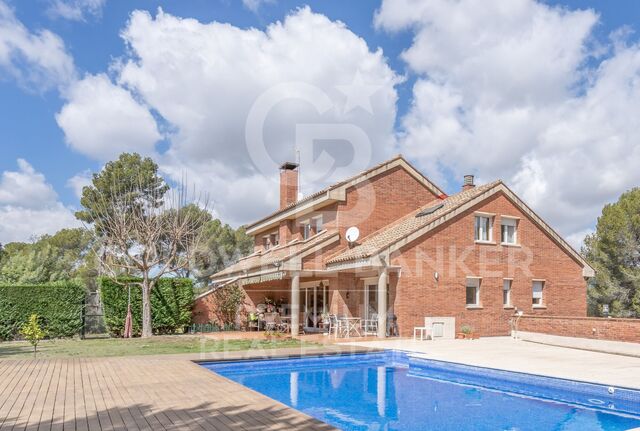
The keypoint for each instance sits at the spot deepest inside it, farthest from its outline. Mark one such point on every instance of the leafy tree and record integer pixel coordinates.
(614, 252)
(221, 246)
(33, 333)
(57, 257)
(131, 180)
(139, 231)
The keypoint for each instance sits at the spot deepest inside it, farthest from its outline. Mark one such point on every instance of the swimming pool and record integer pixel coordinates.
(395, 391)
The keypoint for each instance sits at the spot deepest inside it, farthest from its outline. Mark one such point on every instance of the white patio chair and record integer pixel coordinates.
(370, 325)
(341, 327)
(270, 323)
(424, 331)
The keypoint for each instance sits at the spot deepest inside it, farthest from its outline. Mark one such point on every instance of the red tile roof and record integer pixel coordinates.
(401, 228)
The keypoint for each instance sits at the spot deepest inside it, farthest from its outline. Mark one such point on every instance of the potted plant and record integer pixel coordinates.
(270, 306)
(466, 332)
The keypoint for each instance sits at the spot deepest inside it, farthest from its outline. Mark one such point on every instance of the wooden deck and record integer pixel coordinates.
(137, 393)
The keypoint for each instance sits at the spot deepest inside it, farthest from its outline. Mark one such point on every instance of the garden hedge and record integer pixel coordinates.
(59, 306)
(171, 303)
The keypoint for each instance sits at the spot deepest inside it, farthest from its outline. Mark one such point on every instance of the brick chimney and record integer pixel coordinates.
(288, 184)
(468, 183)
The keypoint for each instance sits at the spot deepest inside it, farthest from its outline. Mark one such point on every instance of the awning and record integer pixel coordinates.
(262, 278)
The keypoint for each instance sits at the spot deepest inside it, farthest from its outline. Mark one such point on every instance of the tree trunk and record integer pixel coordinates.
(147, 330)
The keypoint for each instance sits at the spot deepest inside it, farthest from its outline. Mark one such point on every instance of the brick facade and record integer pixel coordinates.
(597, 328)
(452, 252)
(395, 194)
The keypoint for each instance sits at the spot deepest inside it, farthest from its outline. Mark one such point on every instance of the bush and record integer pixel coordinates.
(171, 303)
(227, 302)
(59, 305)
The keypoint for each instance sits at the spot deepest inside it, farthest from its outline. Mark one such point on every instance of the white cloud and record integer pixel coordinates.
(519, 90)
(36, 60)
(254, 5)
(102, 120)
(25, 187)
(29, 206)
(203, 79)
(75, 10)
(80, 181)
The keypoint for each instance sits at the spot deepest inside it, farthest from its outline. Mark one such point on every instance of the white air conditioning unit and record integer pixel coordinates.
(443, 328)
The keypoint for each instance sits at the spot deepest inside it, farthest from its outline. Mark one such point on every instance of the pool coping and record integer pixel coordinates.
(535, 385)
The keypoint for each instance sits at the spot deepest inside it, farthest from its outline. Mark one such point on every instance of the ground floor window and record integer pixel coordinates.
(473, 291)
(538, 288)
(506, 292)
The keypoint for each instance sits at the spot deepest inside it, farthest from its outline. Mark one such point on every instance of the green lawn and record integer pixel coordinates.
(119, 347)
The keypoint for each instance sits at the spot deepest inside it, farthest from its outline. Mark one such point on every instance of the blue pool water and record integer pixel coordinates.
(393, 391)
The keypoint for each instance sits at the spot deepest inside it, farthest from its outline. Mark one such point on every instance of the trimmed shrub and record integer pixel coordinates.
(171, 302)
(59, 307)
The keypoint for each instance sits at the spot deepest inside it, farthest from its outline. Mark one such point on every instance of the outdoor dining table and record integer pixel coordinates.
(352, 324)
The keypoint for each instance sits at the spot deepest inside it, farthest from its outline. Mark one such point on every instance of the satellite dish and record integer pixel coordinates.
(353, 233)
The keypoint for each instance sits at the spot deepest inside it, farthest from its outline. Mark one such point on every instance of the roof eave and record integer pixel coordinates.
(294, 212)
(388, 250)
(338, 193)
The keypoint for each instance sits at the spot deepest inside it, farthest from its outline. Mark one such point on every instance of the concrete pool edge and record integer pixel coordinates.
(504, 353)
(584, 395)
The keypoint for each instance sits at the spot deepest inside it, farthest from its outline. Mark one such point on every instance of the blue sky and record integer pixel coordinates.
(91, 34)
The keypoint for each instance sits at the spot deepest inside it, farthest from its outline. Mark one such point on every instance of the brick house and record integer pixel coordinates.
(476, 256)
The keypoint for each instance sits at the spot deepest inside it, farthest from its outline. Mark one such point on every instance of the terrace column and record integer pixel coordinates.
(382, 303)
(295, 303)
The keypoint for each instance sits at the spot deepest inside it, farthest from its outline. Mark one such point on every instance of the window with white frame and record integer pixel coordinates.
(484, 228)
(318, 223)
(307, 230)
(506, 292)
(538, 288)
(509, 230)
(473, 291)
(275, 239)
(266, 242)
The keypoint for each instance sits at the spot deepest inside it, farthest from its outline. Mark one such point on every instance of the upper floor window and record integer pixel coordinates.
(484, 228)
(318, 223)
(311, 226)
(538, 289)
(506, 292)
(473, 291)
(307, 230)
(509, 230)
(271, 240)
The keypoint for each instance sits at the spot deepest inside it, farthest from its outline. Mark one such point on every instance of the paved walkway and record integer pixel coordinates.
(513, 355)
(139, 393)
(603, 346)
